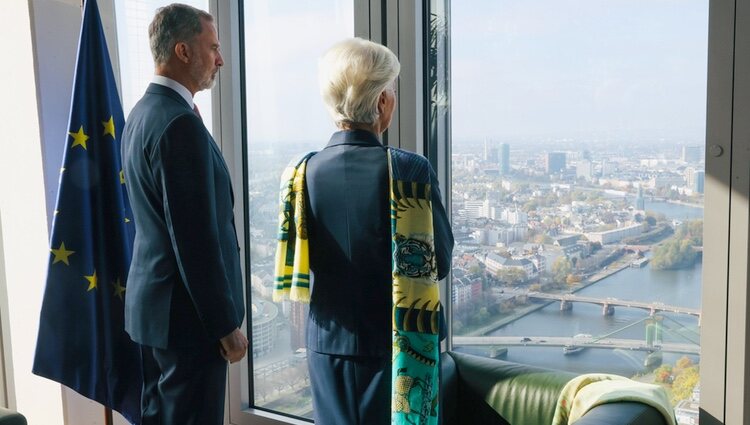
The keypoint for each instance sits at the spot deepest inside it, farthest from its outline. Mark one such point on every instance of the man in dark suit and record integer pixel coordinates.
(184, 301)
(349, 331)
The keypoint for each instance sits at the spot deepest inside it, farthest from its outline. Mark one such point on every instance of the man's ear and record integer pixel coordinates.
(182, 52)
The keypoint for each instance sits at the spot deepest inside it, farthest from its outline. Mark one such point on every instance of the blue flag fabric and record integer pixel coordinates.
(82, 341)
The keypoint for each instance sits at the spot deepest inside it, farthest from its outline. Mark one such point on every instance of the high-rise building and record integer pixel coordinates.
(689, 176)
(490, 152)
(298, 324)
(608, 168)
(504, 159)
(691, 154)
(477, 209)
(554, 162)
(699, 181)
(584, 169)
(640, 202)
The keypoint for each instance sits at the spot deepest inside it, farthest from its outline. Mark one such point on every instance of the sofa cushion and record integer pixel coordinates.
(622, 413)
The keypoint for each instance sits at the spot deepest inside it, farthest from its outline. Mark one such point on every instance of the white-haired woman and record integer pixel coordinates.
(346, 218)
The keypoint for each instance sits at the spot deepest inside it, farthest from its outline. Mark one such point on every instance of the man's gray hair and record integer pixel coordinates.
(173, 24)
(352, 75)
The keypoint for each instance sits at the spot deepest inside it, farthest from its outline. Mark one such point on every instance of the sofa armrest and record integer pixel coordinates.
(9, 417)
(494, 391)
(622, 413)
(480, 390)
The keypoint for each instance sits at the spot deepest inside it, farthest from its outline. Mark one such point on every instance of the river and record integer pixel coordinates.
(672, 287)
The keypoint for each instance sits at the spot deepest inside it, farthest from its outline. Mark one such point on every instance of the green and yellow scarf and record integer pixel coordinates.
(416, 300)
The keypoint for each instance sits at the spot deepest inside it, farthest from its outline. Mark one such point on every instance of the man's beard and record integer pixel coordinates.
(197, 72)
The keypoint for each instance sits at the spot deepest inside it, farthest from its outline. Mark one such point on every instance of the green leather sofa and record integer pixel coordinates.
(9, 417)
(479, 390)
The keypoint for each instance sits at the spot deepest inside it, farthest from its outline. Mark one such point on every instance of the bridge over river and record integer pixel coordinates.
(585, 342)
(608, 304)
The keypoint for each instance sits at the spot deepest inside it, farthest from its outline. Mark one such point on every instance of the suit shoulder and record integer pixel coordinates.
(403, 155)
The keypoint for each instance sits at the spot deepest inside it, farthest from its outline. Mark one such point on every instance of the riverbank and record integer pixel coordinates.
(687, 204)
(616, 266)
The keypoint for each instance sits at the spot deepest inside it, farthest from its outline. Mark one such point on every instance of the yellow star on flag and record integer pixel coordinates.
(127, 220)
(79, 138)
(61, 254)
(122, 177)
(109, 127)
(93, 281)
(119, 289)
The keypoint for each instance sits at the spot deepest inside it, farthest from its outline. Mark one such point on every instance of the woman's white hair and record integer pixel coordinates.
(352, 74)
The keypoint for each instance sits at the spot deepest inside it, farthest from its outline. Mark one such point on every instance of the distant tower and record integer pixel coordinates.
(298, 324)
(504, 159)
(689, 177)
(490, 153)
(585, 169)
(691, 154)
(608, 168)
(554, 162)
(640, 203)
(699, 181)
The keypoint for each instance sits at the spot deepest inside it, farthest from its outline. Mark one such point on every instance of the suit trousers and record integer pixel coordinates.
(350, 390)
(183, 386)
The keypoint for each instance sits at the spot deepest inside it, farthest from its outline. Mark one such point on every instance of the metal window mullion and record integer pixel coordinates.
(737, 397)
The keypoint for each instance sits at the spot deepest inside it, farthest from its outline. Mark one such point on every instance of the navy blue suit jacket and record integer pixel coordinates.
(350, 246)
(185, 285)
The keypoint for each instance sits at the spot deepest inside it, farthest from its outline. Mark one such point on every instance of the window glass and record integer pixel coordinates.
(577, 161)
(136, 62)
(285, 117)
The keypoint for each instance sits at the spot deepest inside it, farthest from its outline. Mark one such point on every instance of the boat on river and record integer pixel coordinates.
(572, 349)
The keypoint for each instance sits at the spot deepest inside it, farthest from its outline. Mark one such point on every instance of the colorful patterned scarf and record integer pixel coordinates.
(292, 251)
(416, 301)
(416, 298)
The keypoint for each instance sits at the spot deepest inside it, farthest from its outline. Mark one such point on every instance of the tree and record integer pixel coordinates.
(262, 388)
(683, 384)
(543, 239)
(683, 362)
(572, 279)
(663, 374)
(561, 268)
(512, 275)
(475, 268)
(677, 252)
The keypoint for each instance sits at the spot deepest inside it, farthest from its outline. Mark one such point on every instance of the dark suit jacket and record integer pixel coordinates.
(350, 246)
(185, 284)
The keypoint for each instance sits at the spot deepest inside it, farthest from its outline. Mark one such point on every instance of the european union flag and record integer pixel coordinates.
(82, 341)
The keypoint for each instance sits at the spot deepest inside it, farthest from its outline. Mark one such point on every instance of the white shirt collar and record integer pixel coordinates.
(174, 85)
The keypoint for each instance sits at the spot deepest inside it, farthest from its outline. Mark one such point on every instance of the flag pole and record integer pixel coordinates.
(108, 420)
(108, 416)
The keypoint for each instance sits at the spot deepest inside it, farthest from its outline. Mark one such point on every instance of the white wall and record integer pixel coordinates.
(24, 223)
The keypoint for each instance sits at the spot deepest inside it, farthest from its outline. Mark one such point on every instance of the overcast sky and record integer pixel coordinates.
(579, 68)
(523, 69)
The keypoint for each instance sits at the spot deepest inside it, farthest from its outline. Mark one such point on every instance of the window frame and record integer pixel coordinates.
(7, 397)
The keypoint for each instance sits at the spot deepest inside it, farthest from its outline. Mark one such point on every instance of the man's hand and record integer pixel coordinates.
(233, 346)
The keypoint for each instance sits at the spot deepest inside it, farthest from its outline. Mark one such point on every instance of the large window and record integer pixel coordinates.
(285, 117)
(578, 133)
(136, 62)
